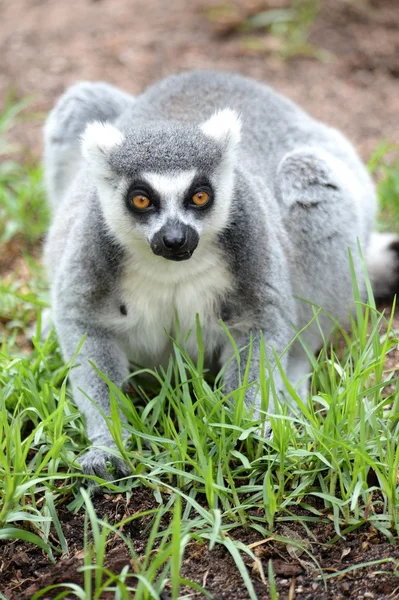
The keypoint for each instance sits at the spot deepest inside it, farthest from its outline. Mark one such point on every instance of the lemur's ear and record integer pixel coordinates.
(97, 140)
(224, 126)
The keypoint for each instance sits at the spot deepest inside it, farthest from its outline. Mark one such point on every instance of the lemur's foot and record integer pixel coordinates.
(103, 464)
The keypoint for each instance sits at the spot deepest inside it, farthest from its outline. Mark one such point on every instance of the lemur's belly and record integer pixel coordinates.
(150, 342)
(159, 308)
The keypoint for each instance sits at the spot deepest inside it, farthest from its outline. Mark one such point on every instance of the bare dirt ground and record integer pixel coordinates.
(47, 45)
(26, 570)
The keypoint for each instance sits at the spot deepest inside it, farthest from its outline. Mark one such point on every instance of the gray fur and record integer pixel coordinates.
(138, 155)
(300, 197)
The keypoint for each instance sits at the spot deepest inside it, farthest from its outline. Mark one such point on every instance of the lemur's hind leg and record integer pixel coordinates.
(81, 104)
(320, 200)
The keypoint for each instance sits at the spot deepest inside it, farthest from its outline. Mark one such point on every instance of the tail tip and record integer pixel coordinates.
(383, 265)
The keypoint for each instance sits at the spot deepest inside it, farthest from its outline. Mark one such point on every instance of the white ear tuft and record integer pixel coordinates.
(97, 139)
(224, 126)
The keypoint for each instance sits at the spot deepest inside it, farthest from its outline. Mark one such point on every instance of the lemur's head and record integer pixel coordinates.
(166, 186)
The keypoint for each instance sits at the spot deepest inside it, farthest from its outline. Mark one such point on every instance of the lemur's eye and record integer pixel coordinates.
(200, 198)
(140, 202)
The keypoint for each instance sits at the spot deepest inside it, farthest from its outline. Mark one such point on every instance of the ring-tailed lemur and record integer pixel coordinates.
(208, 194)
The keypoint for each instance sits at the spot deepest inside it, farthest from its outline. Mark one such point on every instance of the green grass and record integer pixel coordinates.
(210, 473)
(23, 210)
(289, 27)
(384, 165)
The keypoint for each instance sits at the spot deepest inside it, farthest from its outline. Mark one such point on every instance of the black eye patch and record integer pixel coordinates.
(142, 188)
(199, 184)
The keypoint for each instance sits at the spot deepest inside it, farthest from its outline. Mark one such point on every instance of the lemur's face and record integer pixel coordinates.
(165, 189)
(170, 210)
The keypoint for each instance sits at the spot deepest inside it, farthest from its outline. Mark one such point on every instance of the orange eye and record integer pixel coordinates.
(200, 198)
(141, 202)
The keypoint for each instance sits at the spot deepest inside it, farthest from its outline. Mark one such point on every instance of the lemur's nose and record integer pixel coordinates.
(175, 239)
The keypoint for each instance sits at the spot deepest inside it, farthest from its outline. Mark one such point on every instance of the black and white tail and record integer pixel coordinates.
(382, 260)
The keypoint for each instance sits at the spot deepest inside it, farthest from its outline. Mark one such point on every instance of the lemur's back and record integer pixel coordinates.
(272, 125)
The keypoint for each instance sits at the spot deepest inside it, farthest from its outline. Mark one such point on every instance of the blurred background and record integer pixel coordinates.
(338, 58)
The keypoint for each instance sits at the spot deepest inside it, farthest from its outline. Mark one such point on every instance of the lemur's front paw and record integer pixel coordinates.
(103, 464)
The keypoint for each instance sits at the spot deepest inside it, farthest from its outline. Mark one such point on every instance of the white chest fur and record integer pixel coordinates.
(162, 297)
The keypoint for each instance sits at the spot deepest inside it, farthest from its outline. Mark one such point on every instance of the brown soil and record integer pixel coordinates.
(24, 569)
(44, 47)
